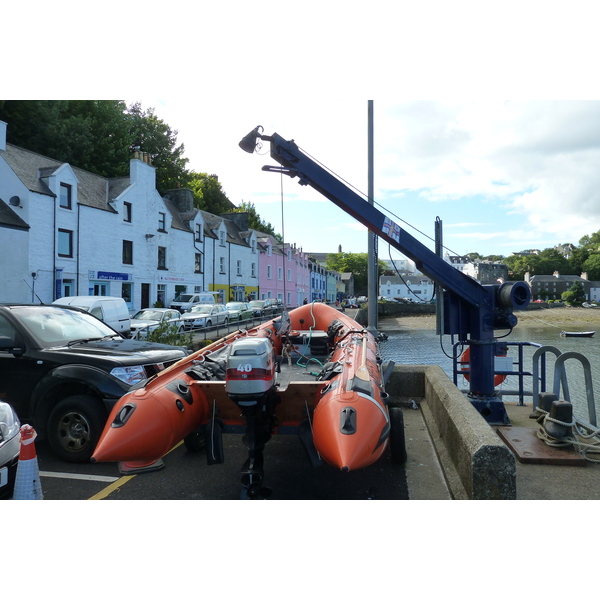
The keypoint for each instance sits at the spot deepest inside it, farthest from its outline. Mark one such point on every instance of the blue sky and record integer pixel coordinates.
(503, 176)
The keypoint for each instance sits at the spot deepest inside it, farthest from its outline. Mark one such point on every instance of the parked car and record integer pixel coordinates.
(239, 311)
(62, 370)
(205, 316)
(10, 445)
(112, 310)
(183, 302)
(148, 319)
(267, 307)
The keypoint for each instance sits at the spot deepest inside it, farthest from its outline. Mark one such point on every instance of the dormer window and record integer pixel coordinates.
(65, 196)
(162, 221)
(198, 232)
(222, 236)
(253, 245)
(127, 212)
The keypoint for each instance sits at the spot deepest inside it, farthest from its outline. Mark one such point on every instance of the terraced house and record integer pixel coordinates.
(65, 231)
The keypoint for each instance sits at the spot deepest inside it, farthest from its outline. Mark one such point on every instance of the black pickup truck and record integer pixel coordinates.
(63, 370)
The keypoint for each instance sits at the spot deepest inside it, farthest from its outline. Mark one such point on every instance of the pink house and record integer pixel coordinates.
(283, 271)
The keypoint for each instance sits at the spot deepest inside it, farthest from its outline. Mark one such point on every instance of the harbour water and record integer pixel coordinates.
(424, 346)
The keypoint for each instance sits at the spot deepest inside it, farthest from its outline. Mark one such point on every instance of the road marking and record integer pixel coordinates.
(111, 488)
(101, 478)
(115, 485)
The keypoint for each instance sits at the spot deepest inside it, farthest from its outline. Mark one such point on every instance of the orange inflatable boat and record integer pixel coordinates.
(313, 371)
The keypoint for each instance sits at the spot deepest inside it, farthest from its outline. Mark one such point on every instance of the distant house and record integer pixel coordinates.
(418, 288)
(484, 271)
(553, 286)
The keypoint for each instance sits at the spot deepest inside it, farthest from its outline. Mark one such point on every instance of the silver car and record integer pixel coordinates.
(10, 444)
(205, 316)
(148, 319)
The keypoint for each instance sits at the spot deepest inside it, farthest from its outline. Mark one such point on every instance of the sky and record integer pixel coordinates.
(503, 176)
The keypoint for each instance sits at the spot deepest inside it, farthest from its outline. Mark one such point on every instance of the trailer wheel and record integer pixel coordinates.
(195, 441)
(397, 438)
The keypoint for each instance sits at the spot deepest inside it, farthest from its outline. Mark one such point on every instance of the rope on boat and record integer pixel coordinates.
(581, 440)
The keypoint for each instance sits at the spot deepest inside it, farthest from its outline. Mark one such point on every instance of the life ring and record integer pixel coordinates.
(466, 358)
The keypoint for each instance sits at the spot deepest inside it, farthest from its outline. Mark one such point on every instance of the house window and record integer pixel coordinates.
(289, 274)
(65, 243)
(65, 196)
(198, 232)
(162, 221)
(239, 267)
(268, 271)
(126, 292)
(127, 212)
(222, 237)
(222, 264)
(127, 252)
(279, 273)
(269, 250)
(198, 263)
(162, 257)
(253, 244)
(253, 270)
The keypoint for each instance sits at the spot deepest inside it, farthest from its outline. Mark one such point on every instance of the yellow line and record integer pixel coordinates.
(107, 491)
(111, 488)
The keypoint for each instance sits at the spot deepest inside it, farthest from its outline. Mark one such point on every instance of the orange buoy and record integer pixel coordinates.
(466, 358)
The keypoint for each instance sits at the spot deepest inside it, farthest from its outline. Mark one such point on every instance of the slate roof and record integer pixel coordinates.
(93, 190)
(9, 218)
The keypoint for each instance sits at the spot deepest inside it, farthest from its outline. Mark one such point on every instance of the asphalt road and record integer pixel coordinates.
(186, 476)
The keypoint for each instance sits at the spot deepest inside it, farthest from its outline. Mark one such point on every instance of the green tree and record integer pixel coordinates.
(208, 193)
(150, 134)
(575, 294)
(551, 260)
(592, 266)
(90, 134)
(256, 222)
(357, 264)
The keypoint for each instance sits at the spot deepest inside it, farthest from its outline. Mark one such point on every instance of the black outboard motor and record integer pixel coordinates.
(250, 382)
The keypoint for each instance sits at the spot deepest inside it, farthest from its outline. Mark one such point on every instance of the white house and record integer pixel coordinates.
(65, 231)
(418, 288)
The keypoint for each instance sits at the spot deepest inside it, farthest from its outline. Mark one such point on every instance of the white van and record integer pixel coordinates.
(110, 309)
(184, 302)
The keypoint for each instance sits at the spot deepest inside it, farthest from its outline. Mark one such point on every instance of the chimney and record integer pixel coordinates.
(183, 198)
(241, 220)
(584, 276)
(3, 135)
(556, 274)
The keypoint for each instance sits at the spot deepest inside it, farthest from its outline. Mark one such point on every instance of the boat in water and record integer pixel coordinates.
(257, 382)
(577, 333)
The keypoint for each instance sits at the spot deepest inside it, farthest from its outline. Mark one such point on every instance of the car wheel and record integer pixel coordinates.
(208, 324)
(74, 427)
(226, 322)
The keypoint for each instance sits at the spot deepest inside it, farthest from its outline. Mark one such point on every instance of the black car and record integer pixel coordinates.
(63, 370)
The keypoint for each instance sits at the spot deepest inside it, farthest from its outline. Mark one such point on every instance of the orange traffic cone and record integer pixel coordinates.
(27, 482)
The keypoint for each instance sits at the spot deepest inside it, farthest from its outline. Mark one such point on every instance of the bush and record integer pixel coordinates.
(167, 333)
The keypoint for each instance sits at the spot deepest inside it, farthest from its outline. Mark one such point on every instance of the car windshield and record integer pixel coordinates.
(148, 315)
(257, 303)
(235, 305)
(201, 308)
(57, 326)
(183, 298)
